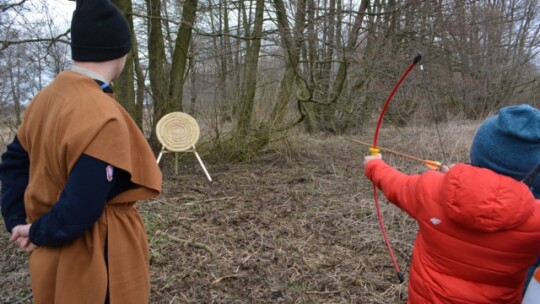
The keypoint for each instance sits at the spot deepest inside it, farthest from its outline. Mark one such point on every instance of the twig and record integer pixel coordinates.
(322, 292)
(28, 297)
(226, 198)
(189, 243)
(228, 276)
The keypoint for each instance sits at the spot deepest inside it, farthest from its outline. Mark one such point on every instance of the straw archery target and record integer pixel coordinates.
(177, 132)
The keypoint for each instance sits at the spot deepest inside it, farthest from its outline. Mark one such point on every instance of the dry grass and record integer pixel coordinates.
(8, 129)
(296, 226)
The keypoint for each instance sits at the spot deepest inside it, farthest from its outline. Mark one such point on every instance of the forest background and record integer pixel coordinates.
(250, 71)
(274, 85)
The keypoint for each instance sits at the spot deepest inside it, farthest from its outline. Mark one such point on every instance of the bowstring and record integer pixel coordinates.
(434, 113)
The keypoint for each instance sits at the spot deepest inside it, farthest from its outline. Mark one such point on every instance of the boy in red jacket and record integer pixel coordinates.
(479, 224)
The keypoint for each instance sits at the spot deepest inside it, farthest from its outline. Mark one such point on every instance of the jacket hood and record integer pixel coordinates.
(483, 200)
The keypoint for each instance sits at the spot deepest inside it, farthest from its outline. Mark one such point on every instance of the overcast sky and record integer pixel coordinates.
(63, 8)
(59, 11)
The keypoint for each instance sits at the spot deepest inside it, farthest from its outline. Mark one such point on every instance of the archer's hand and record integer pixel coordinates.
(369, 158)
(446, 168)
(21, 236)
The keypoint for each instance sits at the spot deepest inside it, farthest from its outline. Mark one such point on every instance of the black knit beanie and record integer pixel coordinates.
(99, 32)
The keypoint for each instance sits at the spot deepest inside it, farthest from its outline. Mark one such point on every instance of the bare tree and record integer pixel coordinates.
(126, 93)
(259, 68)
(167, 74)
(32, 52)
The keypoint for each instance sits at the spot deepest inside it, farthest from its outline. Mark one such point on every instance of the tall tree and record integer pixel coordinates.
(181, 55)
(131, 100)
(167, 76)
(253, 47)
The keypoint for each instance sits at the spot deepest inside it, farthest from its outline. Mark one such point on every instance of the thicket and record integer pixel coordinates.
(251, 71)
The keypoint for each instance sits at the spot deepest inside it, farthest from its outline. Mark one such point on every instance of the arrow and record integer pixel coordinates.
(431, 164)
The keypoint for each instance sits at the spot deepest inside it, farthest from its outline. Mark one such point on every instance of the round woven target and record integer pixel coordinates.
(177, 131)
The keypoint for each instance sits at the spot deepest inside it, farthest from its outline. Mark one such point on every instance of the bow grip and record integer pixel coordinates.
(374, 151)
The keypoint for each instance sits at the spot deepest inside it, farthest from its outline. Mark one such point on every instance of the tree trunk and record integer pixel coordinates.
(252, 61)
(156, 66)
(125, 85)
(180, 56)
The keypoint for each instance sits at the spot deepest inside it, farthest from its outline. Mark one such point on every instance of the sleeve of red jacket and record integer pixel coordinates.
(400, 189)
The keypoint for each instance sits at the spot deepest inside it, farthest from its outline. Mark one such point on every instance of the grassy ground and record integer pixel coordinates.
(296, 226)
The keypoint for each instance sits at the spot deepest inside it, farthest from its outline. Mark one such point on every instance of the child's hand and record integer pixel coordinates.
(369, 158)
(446, 168)
(21, 235)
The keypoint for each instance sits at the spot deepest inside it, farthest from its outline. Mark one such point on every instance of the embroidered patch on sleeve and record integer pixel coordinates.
(109, 171)
(435, 221)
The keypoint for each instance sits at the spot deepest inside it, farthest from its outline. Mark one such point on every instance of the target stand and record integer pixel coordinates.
(179, 132)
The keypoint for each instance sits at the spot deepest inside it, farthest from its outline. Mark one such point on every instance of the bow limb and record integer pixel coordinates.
(374, 150)
(390, 96)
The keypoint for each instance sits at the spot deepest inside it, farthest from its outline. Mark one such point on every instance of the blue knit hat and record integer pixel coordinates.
(509, 142)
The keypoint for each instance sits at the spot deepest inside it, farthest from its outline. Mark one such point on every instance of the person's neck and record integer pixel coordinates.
(93, 70)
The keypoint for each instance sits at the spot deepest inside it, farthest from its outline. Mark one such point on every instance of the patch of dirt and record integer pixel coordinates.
(289, 228)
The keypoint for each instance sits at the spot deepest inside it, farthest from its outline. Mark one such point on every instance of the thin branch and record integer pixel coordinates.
(6, 43)
(207, 34)
(5, 7)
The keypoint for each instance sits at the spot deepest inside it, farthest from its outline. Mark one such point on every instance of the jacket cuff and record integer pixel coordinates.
(11, 223)
(371, 166)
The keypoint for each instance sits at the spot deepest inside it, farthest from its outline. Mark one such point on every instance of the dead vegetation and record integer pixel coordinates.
(296, 226)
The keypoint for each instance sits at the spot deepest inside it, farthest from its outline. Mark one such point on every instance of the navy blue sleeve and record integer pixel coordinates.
(14, 171)
(80, 205)
(535, 187)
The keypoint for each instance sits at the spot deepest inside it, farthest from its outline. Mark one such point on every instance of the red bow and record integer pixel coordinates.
(374, 150)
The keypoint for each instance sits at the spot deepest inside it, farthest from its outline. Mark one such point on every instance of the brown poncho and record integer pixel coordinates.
(70, 117)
